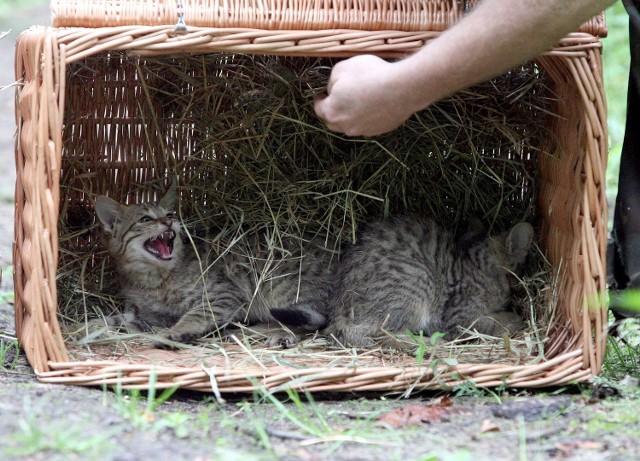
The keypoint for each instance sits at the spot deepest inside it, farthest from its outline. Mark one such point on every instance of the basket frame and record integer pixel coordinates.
(574, 229)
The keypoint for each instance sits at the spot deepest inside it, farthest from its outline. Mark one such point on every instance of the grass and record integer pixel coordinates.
(141, 411)
(522, 439)
(619, 416)
(6, 273)
(131, 407)
(290, 417)
(623, 356)
(313, 423)
(38, 435)
(9, 353)
(470, 389)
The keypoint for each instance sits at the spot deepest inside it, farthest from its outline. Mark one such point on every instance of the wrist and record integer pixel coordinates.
(418, 83)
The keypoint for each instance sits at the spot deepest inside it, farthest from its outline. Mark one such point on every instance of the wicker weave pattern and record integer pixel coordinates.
(372, 15)
(159, 40)
(564, 369)
(264, 14)
(571, 202)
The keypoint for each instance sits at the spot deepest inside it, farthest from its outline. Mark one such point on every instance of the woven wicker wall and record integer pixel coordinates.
(571, 204)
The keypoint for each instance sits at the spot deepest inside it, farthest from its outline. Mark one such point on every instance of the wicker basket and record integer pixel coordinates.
(571, 197)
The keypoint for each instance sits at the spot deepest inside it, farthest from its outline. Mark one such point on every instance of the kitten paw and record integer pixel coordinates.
(282, 339)
(499, 323)
(397, 344)
(169, 340)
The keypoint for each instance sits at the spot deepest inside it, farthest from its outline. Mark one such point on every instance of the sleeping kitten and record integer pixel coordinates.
(412, 274)
(165, 282)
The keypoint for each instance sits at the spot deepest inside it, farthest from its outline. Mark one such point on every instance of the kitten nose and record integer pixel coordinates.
(166, 221)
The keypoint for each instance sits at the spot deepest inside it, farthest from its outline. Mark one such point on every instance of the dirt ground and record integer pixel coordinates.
(42, 421)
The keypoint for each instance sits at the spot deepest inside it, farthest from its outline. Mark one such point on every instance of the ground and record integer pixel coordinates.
(43, 421)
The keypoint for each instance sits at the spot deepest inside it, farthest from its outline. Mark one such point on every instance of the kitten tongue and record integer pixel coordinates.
(160, 246)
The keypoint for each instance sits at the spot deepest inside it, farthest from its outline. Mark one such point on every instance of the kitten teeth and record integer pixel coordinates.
(161, 246)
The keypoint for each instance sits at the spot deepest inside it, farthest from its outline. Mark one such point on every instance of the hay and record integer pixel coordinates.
(243, 347)
(252, 157)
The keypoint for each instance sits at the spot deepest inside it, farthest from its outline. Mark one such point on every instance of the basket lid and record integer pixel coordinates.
(410, 15)
(404, 15)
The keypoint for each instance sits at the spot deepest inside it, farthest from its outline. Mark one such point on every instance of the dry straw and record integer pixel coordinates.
(252, 157)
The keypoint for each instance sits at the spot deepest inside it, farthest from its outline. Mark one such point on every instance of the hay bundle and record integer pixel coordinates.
(250, 154)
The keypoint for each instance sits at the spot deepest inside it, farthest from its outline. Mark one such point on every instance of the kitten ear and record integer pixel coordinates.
(168, 201)
(107, 210)
(519, 240)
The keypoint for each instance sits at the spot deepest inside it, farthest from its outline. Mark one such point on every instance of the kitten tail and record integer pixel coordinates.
(302, 316)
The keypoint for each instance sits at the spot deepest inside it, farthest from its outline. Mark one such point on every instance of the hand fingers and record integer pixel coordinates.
(319, 106)
(319, 103)
(321, 109)
(331, 82)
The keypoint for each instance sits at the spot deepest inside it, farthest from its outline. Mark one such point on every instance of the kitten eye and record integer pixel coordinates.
(145, 219)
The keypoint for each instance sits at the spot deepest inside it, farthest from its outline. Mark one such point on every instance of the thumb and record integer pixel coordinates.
(319, 106)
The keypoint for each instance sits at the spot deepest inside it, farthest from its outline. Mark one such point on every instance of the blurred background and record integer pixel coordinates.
(15, 16)
(616, 72)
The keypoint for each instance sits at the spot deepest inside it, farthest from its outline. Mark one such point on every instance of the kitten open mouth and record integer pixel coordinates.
(161, 246)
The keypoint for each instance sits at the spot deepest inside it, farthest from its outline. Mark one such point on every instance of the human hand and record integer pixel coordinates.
(365, 97)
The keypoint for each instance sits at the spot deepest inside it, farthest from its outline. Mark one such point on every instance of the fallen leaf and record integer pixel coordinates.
(571, 445)
(443, 401)
(489, 426)
(306, 455)
(413, 414)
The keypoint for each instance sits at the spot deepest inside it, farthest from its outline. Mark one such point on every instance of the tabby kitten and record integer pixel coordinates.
(190, 292)
(413, 274)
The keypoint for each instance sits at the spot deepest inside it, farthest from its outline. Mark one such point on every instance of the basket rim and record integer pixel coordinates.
(563, 369)
(77, 43)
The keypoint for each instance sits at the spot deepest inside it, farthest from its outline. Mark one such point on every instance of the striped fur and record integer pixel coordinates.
(413, 274)
(193, 292)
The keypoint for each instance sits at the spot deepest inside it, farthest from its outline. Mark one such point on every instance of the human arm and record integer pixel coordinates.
(370, 96)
